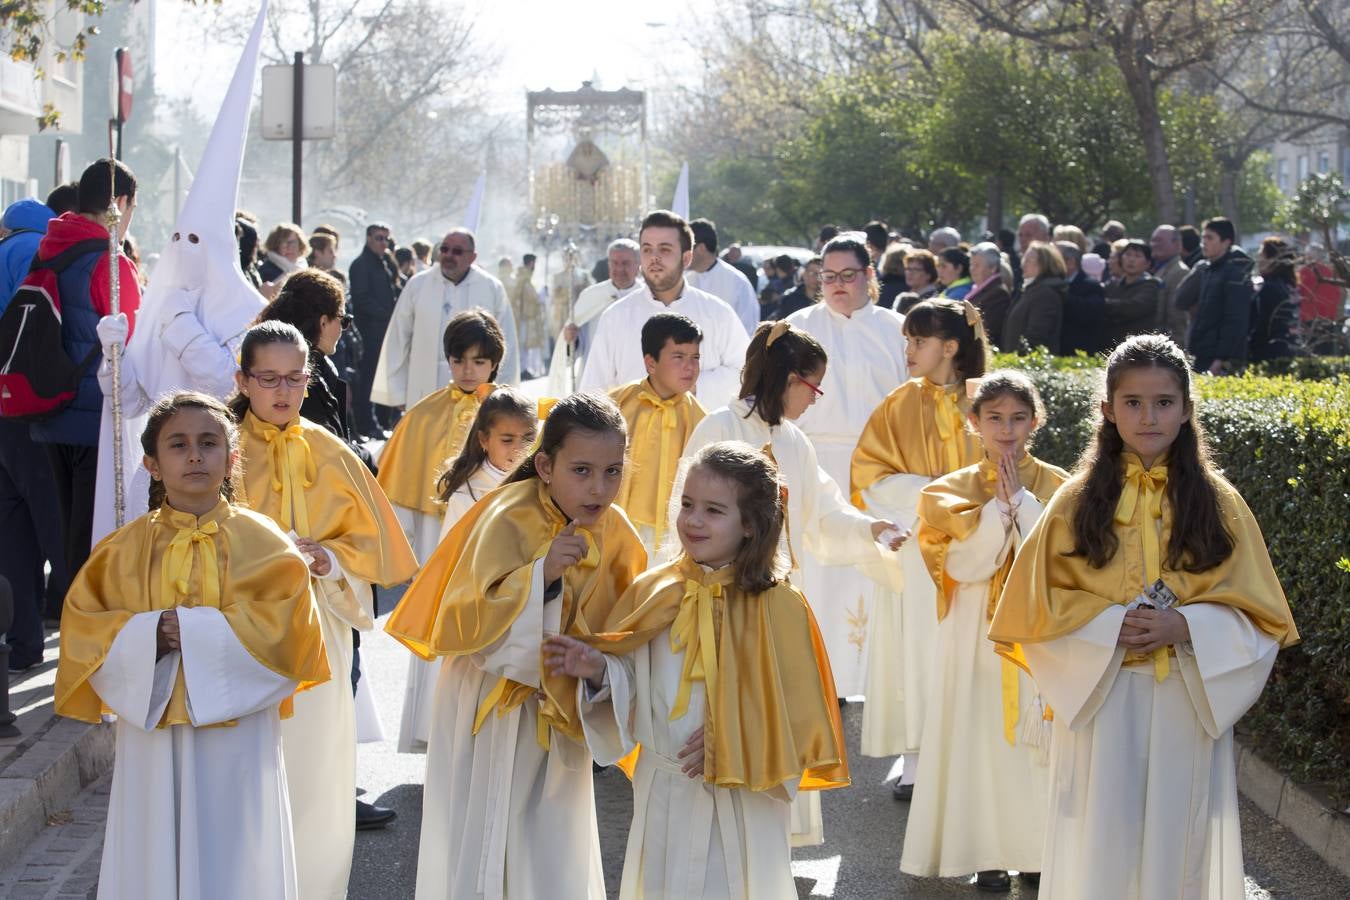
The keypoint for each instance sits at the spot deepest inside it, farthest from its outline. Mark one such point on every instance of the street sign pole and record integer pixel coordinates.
(297, 134)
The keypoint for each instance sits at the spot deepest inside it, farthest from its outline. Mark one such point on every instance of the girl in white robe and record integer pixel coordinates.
(1150, 633)
(508, 803)
(311, 484)
(194, 624)
(917, 434)
(981, 804)
(714, 643)
(501, 434)
(781, 379)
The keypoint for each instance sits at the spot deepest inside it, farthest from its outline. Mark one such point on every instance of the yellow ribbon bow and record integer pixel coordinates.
(950, 424)
(175, 571)
(693, 632)
(465, 413)
(292, 472)
(507, 694)
(1146, 486)
(665, 421)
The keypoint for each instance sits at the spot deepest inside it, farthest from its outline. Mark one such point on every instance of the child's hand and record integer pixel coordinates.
(1146, 630)
(691, 757)
(167, 637)
(1009, 481)
(567, 549)
(568, 656)
(320, 565)
(888, 534)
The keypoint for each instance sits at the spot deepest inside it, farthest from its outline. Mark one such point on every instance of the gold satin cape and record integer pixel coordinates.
(1050, 593)
(425, 440)
(478, 581)
(231, 559)
(771, 715)
(919, 429)
(949, 510)
(657, 433)
(305, 479)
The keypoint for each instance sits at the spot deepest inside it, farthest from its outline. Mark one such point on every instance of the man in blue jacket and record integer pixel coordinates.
(28, 513)
(71, 436)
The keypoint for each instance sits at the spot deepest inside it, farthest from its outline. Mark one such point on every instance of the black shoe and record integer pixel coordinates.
(843, 701)
(22, 665)
(1030, 879)
(902, 792)
(993, 881)
(370, 817)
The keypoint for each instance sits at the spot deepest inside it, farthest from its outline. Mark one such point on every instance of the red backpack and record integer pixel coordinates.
(37, 377)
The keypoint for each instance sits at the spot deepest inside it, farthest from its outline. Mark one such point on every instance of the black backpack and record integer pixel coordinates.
(38, 378)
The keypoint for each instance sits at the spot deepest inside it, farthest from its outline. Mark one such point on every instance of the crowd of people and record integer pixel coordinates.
(735, 509)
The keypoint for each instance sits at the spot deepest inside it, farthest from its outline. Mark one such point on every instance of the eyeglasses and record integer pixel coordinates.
(271, 380)
(347, 321)
(453, 251)
(815, 388)
(847, 276)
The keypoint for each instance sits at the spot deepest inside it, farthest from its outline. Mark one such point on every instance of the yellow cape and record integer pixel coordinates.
(657, 433)
(1051, 593)
(919, 429)
(477, 582)
(261, 587)
(424, 442)
(344, 508)
(773, 716)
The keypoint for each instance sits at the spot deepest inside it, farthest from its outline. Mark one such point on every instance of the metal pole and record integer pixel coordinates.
(297, 132)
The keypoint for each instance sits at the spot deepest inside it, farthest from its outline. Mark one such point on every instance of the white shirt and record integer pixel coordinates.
(615, 356)
(590, 303)
(867, 362)
(728, 284)
(412, 360)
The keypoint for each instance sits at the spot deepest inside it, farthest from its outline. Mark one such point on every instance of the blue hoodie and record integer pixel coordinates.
(16, 251)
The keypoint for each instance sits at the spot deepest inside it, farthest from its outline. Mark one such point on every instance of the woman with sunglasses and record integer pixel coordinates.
(784, 367)
(315, 302)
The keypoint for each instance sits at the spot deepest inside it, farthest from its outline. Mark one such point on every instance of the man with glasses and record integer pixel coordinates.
(373, 280)
(412, 360)
(622, 265)
(666, 247)
(866, 348)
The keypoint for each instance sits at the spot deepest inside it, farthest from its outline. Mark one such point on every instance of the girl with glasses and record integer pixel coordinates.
(781, 380)
(312, 485)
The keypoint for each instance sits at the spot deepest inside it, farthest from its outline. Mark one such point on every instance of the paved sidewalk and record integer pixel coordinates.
(62, 863)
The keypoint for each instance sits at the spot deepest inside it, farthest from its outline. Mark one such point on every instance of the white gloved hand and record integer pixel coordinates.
(112, 331)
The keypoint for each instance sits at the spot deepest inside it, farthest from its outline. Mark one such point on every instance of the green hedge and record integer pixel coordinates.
(1285, 444)
(1304, 368)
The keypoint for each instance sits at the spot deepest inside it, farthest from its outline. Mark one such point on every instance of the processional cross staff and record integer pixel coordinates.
(113, 218)
(570, 260)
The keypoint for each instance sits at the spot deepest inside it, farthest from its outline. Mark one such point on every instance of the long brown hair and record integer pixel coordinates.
(946, 320)
(759, 566)
(768, 365)
(1199, 540)
(502, 402)
(164, 410)
(593, 413)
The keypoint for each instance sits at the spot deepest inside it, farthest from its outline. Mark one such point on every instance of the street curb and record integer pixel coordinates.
(46, 776)
(1324, 830)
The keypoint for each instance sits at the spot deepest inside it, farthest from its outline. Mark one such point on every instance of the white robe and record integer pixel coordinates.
(195, 813)
(590, 303)
(903, 634)
(502, 818)
(319, 747)
(727, 283)
(688, 839)
(420, 688)
(412, 359)
(867, 361)
(818, 518)
(615, 357)
(1143, 778)
(981, 802)
(180, 344)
